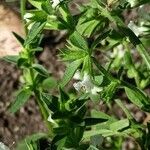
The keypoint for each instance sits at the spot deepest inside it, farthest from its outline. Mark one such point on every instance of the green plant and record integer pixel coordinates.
(66, 116)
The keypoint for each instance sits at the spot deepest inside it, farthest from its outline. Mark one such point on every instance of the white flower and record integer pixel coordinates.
(87, 85)
(27, 16)
(136, 29)
(55, 3)
(132, 2)
(3, 146)
(118, 52)
(77, 75)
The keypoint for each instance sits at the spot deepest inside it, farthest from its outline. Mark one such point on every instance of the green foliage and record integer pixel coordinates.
(20, 100)
(98, 27)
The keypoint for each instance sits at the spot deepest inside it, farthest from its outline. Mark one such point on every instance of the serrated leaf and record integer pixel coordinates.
(40, 69)
(20, 100)
(70, 70)
(69, 54)
(35, 30)
(77, 40)
(88, 27)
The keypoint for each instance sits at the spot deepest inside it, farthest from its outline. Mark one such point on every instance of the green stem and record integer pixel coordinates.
(23, 11)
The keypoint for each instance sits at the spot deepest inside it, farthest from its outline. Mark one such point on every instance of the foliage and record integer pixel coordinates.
(101, 22)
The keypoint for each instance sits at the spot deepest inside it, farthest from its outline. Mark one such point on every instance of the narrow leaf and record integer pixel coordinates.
(21, 98)
(11, 59)
(119, 125)
(77, 40)
(71, 69)
(94, 121)
(40, 69)
(19, 38)
(35, 30)
(138, 98)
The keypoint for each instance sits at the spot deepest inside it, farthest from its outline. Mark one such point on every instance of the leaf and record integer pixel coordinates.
(87, 27)
(71, 69)
(99, 39)
(61, 115)
(99, 114)
(11, 59)
(77, 40)
(138, 98)
(63, 96)
(19, 38)
(137, 43)
(20, 100)
(49, 83)
(34, 138)
(35, 30)
(23, 62)
(119, 125)
(36, 4)
(47, 7)
(94, 121)
(40, 69)
(92, 148)
(51, 101)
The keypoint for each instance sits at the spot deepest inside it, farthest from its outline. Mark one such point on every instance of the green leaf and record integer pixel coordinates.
(63, 96)
(77, 40)
(36, 3)
(23, 62)
(35, 30)
(99, 114)
(49, 83)
(119, 125)
(99, 39)
(34, 138)
(71, 69)
(20, 100)
(87, 27)
(51, 101)
(109, 91)
(47, 7)
(40, 69)
(61, 115)
(94, 121)
(72, 53)
(12, 59)
(19, 38)
(92, 148)
(138, 98)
